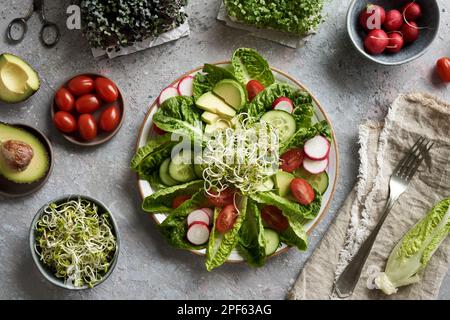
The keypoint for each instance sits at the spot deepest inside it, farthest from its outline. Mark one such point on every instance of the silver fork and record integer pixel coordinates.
(402, 175)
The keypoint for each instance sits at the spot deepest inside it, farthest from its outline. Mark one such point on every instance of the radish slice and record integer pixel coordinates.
(198, 233)
(283, 104)
(317, 148)
(167, 93)
(315, 166)
(185, 86)
(209, 212)
(198, 216)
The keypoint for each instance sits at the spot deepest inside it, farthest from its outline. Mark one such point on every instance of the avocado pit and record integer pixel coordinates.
(17, 154)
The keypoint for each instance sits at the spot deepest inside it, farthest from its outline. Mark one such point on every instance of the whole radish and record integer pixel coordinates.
(376, 41)
(395, 43)
(410, 31)
(412, 11)
(393, 21)
(372, 17)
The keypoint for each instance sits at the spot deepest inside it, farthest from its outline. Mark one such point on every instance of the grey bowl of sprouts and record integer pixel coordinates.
(74, 242)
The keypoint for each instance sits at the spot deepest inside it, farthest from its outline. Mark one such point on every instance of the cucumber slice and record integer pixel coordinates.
(282, 121)
(272, 241)
(164, 174)
(181, 171)
(317, 181)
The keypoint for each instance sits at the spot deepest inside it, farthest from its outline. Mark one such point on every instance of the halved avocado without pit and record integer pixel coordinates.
(18, 80)
(23, 158)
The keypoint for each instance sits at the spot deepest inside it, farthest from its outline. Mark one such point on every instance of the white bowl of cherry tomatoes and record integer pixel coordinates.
(88, 109)
(393, 32)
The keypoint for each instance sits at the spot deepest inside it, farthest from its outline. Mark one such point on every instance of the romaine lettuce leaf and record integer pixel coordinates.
(295, 235)
(179, 115)
(249, 65)
(252, 244)
(161, 200)
(303, 134)
(174, 227)
(304, 109)
(149, 157)
(220, 246)
(411, 255)
(205, 82)
(290, 208)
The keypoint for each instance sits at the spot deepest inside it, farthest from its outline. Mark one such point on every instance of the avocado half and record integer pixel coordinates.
(39, 164)
(18, 80)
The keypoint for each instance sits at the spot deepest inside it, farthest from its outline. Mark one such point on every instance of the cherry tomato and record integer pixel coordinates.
(443, 69)
(81, 85)
(87, 103)
(226, 218)
(106, 89)
(158, 131)
(87, 126)
(254, 87)
(274, 219)
(291, 159)
(65, 122)
(109, 119)
(302, 191)
(219, 200)
(179, 200)
(64, 100)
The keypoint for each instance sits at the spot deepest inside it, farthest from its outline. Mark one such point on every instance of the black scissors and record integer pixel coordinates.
(47, 27)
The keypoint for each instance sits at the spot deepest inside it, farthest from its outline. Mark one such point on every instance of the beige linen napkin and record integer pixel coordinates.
(382, 147)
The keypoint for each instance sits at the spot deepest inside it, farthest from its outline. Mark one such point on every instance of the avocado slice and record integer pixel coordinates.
(18, 80)
(210, 117)
(38, 164)
(283, 182)
(209, 102)
(231, 92)
(219, 125)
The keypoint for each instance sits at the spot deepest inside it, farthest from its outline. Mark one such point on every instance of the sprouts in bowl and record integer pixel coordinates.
(74, 242)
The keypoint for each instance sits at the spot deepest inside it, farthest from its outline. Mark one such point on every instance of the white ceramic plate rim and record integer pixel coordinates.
(319, 115)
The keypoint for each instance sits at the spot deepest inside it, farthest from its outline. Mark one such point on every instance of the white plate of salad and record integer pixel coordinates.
(236, 161)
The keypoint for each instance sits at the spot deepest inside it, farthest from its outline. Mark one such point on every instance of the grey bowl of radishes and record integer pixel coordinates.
(393, 32)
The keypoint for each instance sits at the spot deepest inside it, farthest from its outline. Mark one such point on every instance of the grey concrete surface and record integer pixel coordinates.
(349, 87)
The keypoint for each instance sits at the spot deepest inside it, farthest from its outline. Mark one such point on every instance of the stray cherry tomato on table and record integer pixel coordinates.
(109, 119)
(219, 200)
(226, 218)
(253, 88)
(274, 218)
(87, 126)
(87, 103)
(65, 122)
(64, 100)
(179, 200)
(81, 85)
(443, 69)
(302, 191)
(292, 159)
(106, 89)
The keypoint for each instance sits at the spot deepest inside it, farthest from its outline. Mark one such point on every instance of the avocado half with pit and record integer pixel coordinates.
(23, 158)
(18, 80)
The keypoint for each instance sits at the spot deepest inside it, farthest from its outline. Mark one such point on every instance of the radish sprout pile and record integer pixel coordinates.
(75, 240)
(242, 156)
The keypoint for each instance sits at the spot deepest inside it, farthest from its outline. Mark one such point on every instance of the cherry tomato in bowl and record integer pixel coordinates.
(292, 159)
(274, 218)
(221, 199)
(88, 103)
(106, 89)
(87, 126)
(81, 85)
(64, 100)
(65, 122)
(109, 119)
